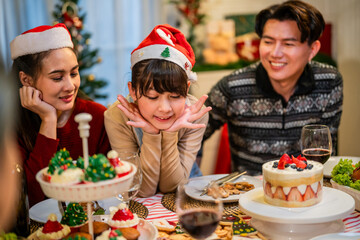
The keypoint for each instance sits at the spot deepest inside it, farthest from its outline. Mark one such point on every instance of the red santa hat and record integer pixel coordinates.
(167, 43)
(40, 39)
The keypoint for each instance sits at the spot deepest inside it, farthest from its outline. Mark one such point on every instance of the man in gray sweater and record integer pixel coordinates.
(266, 104)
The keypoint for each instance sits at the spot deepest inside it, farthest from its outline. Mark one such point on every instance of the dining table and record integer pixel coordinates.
(162, 206)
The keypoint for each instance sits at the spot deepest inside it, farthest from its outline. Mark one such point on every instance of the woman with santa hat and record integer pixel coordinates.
(47, 70)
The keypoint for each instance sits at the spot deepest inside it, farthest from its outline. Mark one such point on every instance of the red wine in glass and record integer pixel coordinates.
(200, 223)
(317, 154)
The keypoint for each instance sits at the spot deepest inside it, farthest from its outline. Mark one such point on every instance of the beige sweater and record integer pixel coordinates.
(166, 158)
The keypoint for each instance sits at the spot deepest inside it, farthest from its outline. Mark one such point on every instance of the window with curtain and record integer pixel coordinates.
(116, 27)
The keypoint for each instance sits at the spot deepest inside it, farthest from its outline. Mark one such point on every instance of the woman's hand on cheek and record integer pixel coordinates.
(31, 99)
(191, 114)
(131, 111)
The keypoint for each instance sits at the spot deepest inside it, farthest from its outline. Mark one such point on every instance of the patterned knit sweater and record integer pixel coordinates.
(261, 124)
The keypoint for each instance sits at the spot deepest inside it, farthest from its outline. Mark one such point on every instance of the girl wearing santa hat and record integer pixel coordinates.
(159, 119)
(48, 77)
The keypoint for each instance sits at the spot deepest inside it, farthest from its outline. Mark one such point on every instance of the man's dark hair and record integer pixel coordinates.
(309, 20)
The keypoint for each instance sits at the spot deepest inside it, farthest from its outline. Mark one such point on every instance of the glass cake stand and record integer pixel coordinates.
(282, 223)
(89, 191)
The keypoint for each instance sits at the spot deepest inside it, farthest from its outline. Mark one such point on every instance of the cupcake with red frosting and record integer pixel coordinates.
(122, 168)
(53, 229)
(122, 217)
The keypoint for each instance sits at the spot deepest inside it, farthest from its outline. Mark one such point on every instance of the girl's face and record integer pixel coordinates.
(161, 110)
(59, 79)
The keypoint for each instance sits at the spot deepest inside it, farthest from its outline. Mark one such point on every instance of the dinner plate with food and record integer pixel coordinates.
(230, 191)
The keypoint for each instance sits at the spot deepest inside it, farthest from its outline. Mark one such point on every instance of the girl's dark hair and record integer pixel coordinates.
(28, 124)
(309, 20)
(162, 75)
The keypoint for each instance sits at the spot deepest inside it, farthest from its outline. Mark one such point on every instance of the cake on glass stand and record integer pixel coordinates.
(86, 192)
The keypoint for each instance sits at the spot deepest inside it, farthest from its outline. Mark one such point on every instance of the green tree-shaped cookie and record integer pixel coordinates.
(74, 215)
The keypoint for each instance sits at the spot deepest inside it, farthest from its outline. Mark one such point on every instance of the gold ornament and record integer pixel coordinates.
(91, 77)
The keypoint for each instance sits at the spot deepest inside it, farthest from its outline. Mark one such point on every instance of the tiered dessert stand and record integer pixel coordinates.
(282, 223)
(90, 191)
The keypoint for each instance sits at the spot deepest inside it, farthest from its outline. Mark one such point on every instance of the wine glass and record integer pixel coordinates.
(316, 142)
(131, 157)
(199, 221)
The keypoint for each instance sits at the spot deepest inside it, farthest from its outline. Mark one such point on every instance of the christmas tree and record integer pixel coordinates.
(67, 12)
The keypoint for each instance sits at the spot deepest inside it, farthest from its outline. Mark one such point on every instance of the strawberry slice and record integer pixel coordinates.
(295, 195)
(281, 165)
(267, 190)
(301, 164)
(319, 188)
(279, 193)
(294, 159)
(286, 158)
(309, 193)
(301, 158)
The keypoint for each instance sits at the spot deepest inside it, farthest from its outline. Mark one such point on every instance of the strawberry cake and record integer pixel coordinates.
(53, 229)
(292, 182)
(122, 217)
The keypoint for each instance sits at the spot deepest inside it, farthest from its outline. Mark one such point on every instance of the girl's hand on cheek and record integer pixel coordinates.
(131, 110)
(191, 114)
(31, 99)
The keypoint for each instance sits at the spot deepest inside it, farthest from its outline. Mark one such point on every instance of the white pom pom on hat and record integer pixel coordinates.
(40, 39)
(167, 43)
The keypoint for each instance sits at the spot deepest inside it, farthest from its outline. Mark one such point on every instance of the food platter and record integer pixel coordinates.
(86, 192)
(196, 185)
(330, 164)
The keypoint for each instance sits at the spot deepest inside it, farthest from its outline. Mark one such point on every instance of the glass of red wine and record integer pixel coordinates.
(199, 220)
(316, 142)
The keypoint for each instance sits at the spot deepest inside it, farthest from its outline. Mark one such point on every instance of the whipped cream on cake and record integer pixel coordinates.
(121, 217)
(69, 176)
(292, 182)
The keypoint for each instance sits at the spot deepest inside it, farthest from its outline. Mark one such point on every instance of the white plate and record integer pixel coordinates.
(147, 231)
(329, 164)
(40, 211)
(195, 186)
(334, 205)
(338, 236)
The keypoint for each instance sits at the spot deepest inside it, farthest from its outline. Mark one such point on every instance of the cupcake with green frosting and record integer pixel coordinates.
(74, 216)
(63, 170)
(99, 169)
